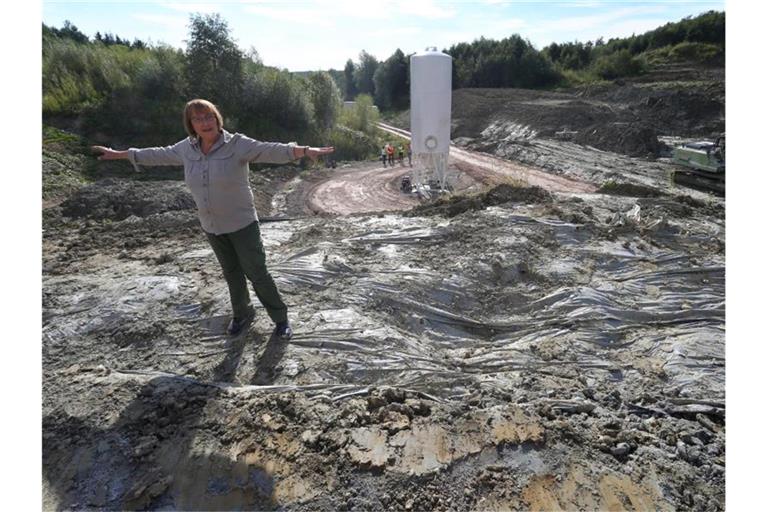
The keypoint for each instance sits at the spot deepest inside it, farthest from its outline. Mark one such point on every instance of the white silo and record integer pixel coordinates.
(431, 111)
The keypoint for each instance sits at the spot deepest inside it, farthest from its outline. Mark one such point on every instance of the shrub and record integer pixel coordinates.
(352, 144)
(618, 64)
(699, 53)
(703, 53)
(363, 117)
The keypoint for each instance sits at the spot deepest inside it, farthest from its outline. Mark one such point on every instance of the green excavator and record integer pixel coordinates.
(704, 164)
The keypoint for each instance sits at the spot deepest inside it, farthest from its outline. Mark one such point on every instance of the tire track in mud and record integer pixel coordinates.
(368, 190)
(479, 164)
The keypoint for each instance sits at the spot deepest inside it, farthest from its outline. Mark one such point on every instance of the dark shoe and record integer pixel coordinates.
(283, 331)
(236, 325)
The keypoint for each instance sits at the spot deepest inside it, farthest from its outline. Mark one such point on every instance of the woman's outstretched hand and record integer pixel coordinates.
(315, 153)
(109, 153)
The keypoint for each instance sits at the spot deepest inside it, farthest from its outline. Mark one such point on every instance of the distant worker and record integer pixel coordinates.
(216, 172)
(408, 149)
(391, 154)
(400, 154)
(384, 155)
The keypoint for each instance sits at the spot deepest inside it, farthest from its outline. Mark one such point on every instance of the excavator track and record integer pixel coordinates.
(700, 180)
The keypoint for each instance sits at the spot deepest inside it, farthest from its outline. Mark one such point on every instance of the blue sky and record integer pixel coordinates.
(320, 34)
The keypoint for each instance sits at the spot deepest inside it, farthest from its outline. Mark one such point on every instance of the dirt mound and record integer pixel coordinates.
(629, 190)
(500, 194)
(622, 117)
(118, 199)
(694, 109)
(633, 139)
(540, 113)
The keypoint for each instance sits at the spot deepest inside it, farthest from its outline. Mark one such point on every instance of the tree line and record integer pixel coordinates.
(114, 90)
(134, 91)
(515, 62)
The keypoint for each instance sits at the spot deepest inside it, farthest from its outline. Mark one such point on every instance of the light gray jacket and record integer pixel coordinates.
(219, 180)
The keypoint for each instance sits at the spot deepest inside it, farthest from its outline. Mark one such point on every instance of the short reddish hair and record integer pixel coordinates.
(200, 105)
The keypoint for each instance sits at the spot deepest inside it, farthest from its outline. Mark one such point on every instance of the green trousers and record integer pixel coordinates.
(241, 255)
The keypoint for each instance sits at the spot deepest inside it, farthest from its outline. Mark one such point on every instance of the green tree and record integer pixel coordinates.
(511, 62)
(363, 117)
(707, 28)
(326, 100)
(618, 64)
(364, 73)
(274, 105)
(553, 52)
(145, 108)
(350, 89)
(215, 63)
(252, 62)
(71, 32)
(338, 77)
(391, 82)
(639, 44)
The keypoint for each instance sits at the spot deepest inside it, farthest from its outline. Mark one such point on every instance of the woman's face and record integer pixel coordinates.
(205, 124)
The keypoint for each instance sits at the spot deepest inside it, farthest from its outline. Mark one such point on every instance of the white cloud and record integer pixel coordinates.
(292, 13)
(354, 9)
(585, 4)
(326, 13)
(172, 27)
(510, 24)
(425, 9)
(622, 28)
(297, 57)
(189, 7)
(397, 31)
(166, 20)
(383, 10)
(629, 27)
(488, 27)
(584, 23)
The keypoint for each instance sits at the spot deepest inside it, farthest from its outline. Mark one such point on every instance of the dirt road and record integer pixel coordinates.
(493, 170)
(373, 188)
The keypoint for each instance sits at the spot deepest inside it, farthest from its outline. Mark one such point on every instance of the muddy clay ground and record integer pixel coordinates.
(510, 347)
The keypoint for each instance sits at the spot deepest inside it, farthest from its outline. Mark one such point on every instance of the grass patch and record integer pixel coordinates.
(698, 53)
(62, 174)
(53, 135)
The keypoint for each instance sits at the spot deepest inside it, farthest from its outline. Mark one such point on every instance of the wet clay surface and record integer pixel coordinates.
(529, 351)
(518, 348)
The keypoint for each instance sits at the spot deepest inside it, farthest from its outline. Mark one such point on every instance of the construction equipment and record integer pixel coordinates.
(705, 165)
(406, 185)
